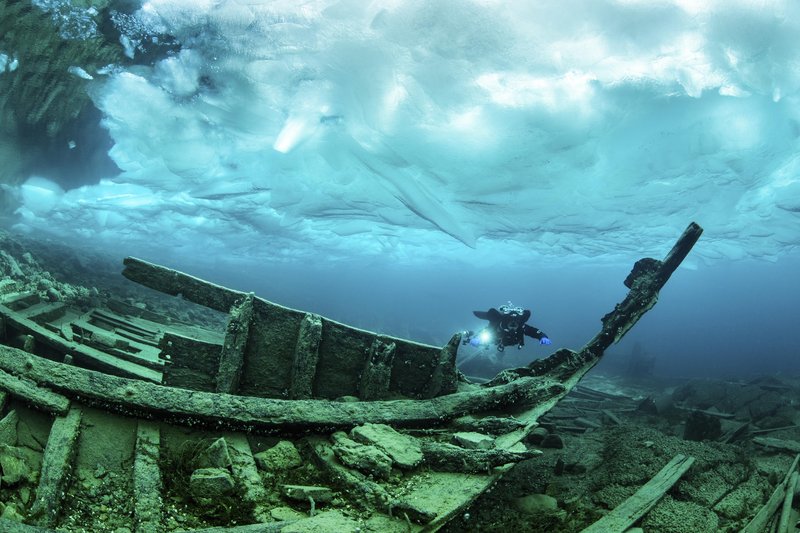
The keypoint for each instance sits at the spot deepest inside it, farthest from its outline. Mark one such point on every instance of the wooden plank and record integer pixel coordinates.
(628, 512)
(735, 432)
(79, 352)
(40, 397)
(57, 463)
(192, 363)
(146, 334)
(306, 357)
(147, 482)
(231, 359)
(111, 343)
(43, 312)
(709, 412)
(759, 521)
(611, 416)
(778, 444)
(786, 511)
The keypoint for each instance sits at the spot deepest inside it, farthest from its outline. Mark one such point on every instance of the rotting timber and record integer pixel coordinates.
(373, 417)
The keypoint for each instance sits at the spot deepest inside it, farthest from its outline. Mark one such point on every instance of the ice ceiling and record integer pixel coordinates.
(447, 130)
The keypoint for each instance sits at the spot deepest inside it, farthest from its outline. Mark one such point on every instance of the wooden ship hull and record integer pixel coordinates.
(375, 432)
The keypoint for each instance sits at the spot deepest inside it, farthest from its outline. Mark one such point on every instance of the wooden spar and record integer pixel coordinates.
(177, 283)
(528, 392)
(628, 512)
(646, 279)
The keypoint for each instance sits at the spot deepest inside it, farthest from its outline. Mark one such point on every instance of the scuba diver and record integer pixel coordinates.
(507, 327)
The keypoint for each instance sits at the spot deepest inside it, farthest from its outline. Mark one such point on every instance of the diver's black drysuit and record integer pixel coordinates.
(509, 328)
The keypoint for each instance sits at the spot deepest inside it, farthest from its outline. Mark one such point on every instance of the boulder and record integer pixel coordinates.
(282, 456)
(15, 466)
(215, 456)
(473, 441)
(210, 483)
(404, 450)
(700, 426)
(8, 429)
(365, 458)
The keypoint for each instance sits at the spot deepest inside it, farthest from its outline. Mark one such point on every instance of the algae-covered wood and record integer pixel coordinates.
(277, 336)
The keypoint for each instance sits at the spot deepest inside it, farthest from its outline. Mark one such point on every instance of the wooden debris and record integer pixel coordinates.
(450, 458)
(86, 354)
(272, 527)
(710, 412)
(582, 391)
(734, 433)
(492, 425)
(772, 430)
(778, 444)
(786, 510)
(56, 468)
(611, 416)
(368, 493)
(586, 423)
(147, 478)
(628, 512)
(759, 521)
(40, 397)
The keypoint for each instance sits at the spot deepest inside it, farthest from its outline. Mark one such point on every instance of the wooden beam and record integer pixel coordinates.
(647, 277)
(444, 377)
(40, 397)
(231, 358)
(786, 511)
(176, 283)
(778, 444)
(306, 357)
(628, 512)
(267, 414)
(57, 464)
(147, 482)
(377, 373)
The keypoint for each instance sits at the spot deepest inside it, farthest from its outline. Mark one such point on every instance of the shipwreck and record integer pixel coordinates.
(283, 421)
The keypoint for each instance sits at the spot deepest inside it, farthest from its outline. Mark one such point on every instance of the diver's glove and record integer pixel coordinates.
(545, 341)
(475, 341)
